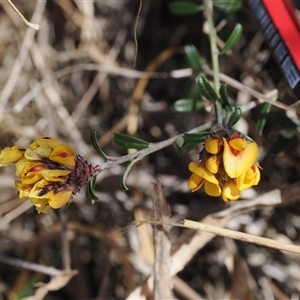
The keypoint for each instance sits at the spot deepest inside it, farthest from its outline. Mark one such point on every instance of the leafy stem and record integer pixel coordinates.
(208, 12)
(153, 147)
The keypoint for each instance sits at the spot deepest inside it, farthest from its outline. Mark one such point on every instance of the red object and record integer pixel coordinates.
(284, 18)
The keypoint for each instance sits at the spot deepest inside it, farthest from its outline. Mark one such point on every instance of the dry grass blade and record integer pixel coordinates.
(27, 23)
(239, 236)
(162, 244)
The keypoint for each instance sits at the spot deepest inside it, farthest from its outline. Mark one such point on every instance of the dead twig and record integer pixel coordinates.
(27, 23)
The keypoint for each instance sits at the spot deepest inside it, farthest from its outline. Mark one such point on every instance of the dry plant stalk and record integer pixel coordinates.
(27, 23)
(162, 245)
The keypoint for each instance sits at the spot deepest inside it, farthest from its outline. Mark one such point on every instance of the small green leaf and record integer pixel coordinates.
(263, 118)
(127, 141)
(224, 97)
(233, 38)
(189, 141)
(94, 141)
(228, 5)
(187, 105)
(196, 138)
(206, 89)
(193, 57)
(185, 8)
(235, 116)
(91, 188)
(127, 170)
(179, 143)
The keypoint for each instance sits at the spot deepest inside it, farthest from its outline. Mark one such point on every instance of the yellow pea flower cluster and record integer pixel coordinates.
(50, 172)
(227, 165)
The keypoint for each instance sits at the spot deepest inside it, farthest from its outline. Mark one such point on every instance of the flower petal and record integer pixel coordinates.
(38, 153)
(63, 154)
(230, 192)
(59, 199)
(55, 175)
(237, 143)
(45, 142)
(39, 187)
(23, 189)
(202, 172)
(195, 182)
(250, 178)
(11, 155)
(212, 145)
(212, 189)
(238, 162)
(212, 164)
(41, 205)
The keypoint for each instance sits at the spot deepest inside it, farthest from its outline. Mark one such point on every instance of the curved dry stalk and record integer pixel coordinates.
(27, 23)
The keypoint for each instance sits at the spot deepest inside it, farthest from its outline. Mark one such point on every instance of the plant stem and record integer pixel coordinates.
(208, 11)
(153, 147)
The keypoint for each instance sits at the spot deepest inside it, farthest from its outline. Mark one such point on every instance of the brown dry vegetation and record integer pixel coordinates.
(76, 73)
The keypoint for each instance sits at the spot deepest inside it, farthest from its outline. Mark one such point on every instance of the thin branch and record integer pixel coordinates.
(237, 235)
(27, 23)
(18, 263)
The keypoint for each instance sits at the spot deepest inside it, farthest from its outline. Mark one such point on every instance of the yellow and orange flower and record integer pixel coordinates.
(50, 172)
(227, 165)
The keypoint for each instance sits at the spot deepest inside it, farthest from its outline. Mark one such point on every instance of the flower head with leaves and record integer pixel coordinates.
(227, 165)
(49, 172)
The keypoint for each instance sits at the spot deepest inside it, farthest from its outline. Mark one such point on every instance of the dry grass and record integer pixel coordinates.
(76, 73)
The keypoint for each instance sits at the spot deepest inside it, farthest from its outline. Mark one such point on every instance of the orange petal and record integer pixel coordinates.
(212, 164)
(11, 155)
(212, 189)
(212, 145)
(230, 192)
(195, 182)
(63, 154)
(202, 172)
(238, 162)
(59, 199)
(250, 178)
(237, 143)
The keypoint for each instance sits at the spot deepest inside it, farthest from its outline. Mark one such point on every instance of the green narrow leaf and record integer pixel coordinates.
(189, 141)
(228, 5)
(196, 137)
(193, 57)
(127, 170)
(90, 190)
(261, 122)
(206, 89)
(192, 140)
(178, 144)
(233, 38)
(127, 141)
(235, 116)
(94, 142)
(224, 97)
(185, 8)
(187, 105)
